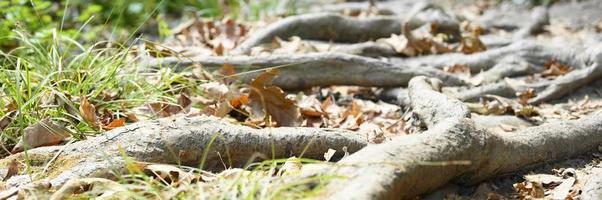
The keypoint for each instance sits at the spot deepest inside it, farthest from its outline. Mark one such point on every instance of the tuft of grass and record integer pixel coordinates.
(46, 79)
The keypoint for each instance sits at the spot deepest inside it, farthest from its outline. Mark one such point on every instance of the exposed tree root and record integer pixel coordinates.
(339, 28)
(319, 69)
(532, 52)
(591, 70)
(324, 69)
(187, 141)
(454, 150)
(539, 19)
(593, 187)
(368, 49)
(325, 26)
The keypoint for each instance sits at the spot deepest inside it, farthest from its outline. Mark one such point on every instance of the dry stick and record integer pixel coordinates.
(319, 69)
(407, 166)
(185, 140)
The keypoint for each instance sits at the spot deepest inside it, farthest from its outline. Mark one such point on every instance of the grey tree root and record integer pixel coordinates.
(188, 141)
(324, 26)
(318, 69)
(589, 69)
(452, 149)
(324, 69)
(339, 28)
(593, 186)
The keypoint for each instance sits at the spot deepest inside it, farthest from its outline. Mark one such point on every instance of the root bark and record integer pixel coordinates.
(454, 150)
(189, 141)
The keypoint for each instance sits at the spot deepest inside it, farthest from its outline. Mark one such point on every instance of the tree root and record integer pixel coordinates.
(590, 70)
(532, 52)
(368, 49)
(339, 28)
(454, 150)
(324, 26)
(187, 141)
(593, 187)
(317, 69)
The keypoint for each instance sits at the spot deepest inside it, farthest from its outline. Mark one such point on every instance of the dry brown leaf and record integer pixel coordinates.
(13, 169)
(497, 106)
(43, 133)
(88, 111)
(471, 44)
(215, 90)
(131, 116)
(555, 68)
(242, 99)
(165, 109)
(94, 186)
(267, 100)
(115, 123)
(310, 106)
(527, 190)
(399, 44)
(169, 174)
(8, 119)
(524, 96)
(158, 52)
(219, 50)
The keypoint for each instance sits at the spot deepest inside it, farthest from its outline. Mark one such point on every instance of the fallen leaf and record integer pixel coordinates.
(546, 180)
(131, 116)
(8, 119)
(88, 111)
(169, 174)
(219, 50)
(215, 90)
(328, 154)
(166, 109)
(119, 122)
(524, 96)
(462, 71)
(89, 187)
(310, 106)
(528, 190)
(43, 133)
(242, 99)
(267, 100)
(555, 68)
(471, 44)
(13, 169)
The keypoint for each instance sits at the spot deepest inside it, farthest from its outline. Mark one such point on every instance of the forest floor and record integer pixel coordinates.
(351, 100)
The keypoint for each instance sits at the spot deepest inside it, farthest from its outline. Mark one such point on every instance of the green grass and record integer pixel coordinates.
(51, 58)
(46, 79)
